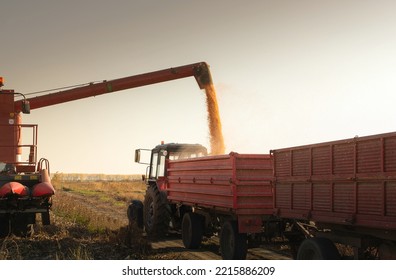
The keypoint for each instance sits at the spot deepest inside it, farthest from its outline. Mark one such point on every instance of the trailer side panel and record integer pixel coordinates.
(349, 182)
(234, 184)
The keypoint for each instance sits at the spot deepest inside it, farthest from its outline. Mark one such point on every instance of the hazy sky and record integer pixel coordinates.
(287, 73)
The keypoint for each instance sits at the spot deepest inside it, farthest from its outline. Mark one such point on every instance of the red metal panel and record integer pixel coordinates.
(283, 196)
(282, 163)
(344, 197)
(370, 198)
(344, 158)
(301, 162)
(236, 183)
(389, 151)
(302, 196)
(321, 160)
(353, 181)
(322, 197)
(390, 198)
(369, 157)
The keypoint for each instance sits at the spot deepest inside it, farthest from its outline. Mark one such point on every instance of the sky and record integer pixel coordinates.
(287, 73)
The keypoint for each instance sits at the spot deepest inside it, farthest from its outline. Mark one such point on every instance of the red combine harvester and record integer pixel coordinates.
(25, 185)
(314, 197)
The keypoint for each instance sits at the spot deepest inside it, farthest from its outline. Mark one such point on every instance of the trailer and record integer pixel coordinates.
(231, 192)
(333, 200)
(343, 191)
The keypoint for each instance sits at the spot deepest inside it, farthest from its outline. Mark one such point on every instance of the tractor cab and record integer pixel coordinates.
(161, 153)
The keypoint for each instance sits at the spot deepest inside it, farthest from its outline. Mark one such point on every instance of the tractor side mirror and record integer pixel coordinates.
(137, 156)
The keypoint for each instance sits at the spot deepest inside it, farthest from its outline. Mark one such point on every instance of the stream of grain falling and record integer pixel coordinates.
(216, 135)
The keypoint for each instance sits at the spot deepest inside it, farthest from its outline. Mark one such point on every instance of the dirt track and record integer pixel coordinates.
(210, 251)
(171, 247)
(69, 239)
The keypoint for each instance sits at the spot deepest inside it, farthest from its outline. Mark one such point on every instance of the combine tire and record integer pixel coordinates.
(317, 248)
(233, 245)
(156, 213)
(192, 230)
(22, 224)
(4, 226)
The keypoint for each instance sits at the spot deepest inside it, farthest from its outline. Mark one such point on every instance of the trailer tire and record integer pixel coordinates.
(192, 230)
(317, 248)
(156, 213)
(233, 245)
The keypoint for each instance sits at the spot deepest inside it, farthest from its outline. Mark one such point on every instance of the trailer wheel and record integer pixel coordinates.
(317, 248)
(192, 230)
(156, 212)
(233, 244)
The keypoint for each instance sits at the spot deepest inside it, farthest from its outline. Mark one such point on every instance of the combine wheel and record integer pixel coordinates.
(156, 212)
(45, 218)
(4, 226)
(192, 230)
(22, 224)
(233, 244)
(317, 248)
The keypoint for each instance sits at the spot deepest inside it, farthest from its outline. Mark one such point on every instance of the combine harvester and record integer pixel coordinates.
(25, 185)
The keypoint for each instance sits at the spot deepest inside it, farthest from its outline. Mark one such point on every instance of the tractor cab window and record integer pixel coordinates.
(185, 155)
(154, 164)
(161, 164)
(158, 164)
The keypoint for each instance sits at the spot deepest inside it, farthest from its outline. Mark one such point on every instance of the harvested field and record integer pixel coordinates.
(89, 222)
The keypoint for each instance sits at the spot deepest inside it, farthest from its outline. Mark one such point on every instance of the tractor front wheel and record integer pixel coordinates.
(156, 212)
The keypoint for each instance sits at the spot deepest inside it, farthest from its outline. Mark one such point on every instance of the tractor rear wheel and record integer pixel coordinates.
(233, 244)
(156, 212)
(192, 230)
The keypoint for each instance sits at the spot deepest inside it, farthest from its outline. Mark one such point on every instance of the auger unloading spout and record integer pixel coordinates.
(202, 75)
(204, 80)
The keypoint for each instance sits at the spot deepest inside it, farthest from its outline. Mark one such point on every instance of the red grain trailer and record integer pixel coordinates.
(233, 190)
(344, 191)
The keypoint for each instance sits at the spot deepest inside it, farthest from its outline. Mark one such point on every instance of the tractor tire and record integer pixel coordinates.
(135, 214)
(233, 245)
(192, 230)
(317, 248)
(156, 213)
